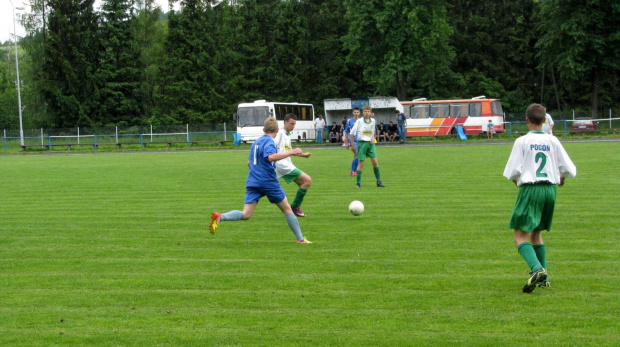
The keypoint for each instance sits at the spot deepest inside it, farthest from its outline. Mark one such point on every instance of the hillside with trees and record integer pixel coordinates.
(130, 62)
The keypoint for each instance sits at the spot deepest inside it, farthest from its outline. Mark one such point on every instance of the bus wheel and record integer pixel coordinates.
(453, 132)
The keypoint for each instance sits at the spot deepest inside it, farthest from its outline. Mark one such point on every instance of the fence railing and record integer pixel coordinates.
(190, 135)
(121, 137)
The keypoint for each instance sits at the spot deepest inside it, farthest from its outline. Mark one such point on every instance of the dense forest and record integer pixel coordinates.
(132, 63)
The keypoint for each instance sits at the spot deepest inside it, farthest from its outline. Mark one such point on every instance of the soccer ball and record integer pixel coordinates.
(356, 208)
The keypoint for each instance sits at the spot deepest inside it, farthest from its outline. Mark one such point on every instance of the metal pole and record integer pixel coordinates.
(19, 96)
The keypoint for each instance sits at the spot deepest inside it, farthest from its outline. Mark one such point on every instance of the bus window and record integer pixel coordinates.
(440, 110)
(252, 115)
(420, 111)
(496, 107)
(302, 112)
(459, 110)
(475, 109)
(305, 113)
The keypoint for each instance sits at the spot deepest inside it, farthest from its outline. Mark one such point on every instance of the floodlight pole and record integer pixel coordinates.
(19, 96)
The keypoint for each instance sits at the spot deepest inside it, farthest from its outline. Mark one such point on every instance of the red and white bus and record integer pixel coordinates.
(440, 117)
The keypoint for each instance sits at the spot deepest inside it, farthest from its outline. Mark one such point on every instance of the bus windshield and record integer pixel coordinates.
(252, 116)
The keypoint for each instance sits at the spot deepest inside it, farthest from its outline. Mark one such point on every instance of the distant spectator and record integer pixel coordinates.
(382, 131)
(402, 125)
(334, 133)
(490, 129)
(319, 125)
(392, 131)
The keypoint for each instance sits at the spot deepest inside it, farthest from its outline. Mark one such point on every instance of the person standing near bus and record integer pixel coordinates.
(402, 125)
(537, 164)
(285, 168)
(319, 125)
(262, 181)
(364, 128)
(351, 140)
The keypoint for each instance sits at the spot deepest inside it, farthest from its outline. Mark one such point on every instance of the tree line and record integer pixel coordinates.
(130, 62)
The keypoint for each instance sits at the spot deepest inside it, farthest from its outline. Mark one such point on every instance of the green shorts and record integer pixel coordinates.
(365, 149)
(533, 210)
(293, 175)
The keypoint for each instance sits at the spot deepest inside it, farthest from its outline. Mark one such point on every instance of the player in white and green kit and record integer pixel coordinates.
(537, 164)
(285, 168)
(364, 128)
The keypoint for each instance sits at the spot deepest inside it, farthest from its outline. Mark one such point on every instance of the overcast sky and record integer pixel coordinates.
(6, 16)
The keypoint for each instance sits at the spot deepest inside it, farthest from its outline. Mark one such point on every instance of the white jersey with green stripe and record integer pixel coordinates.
(364, 129)
(538, 157)
(283, 144)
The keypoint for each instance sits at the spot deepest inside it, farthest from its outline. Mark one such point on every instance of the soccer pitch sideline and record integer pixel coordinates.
(114, 250)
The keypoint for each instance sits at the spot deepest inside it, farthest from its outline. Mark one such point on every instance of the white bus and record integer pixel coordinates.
(251, 117)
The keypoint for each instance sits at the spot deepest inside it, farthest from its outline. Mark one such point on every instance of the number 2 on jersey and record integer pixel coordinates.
(540, 156)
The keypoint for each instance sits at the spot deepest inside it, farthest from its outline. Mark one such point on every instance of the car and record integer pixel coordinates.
(583, 125)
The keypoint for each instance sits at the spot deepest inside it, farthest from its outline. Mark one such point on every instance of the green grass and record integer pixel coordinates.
(113, 249)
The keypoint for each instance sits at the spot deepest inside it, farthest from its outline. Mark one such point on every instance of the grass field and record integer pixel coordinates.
(113, 249)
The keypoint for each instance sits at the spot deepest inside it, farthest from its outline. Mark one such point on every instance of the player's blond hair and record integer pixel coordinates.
(271, 125)
(367, 107)
(536, 113)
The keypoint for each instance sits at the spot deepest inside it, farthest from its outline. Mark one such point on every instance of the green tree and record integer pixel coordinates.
(189, 92)
(257, 46)
(70, 62)
(319, 62)
(35, 114)
(581, 40)
(119, 70)
(400, 44)
(151, 31)
(8, 94)
(495, 54)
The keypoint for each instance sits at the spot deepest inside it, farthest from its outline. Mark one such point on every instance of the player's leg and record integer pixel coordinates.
(362, 150)
(375, 165)
(541, 253)
(355, 162)
(524, 247)
(291, 220)
(234, 215)
(252, 195)
(360, 167)
(304, 181)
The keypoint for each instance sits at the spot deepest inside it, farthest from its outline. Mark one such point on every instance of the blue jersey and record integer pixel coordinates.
(350, 123)
(262, 172)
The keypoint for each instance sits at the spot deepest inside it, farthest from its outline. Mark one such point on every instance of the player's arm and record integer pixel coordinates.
(280, 156)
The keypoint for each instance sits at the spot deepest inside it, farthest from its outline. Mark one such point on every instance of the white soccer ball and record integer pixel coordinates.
(356, 208)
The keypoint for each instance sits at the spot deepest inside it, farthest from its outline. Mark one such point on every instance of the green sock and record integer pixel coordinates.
(299, 198)
(377, 173)
(359, 177)
(541, 255)
(529, 255)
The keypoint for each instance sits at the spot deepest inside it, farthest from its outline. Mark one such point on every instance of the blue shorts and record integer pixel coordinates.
(274, 194)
